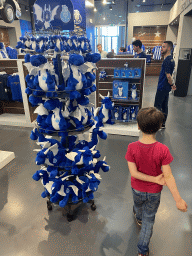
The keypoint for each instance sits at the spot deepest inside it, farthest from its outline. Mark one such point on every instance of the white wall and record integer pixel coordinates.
(172, 32)
(146, 19)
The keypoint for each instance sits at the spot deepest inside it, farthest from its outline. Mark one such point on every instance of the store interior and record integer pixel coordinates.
(54, 115)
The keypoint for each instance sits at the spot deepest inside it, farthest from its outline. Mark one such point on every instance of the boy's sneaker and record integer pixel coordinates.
(139, 223)
(146, 254)
(163, 126)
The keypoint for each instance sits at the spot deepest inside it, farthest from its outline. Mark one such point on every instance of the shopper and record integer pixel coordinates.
(103, 53)
(137, 44)
(146, 158)
(165, 83)
(122, 49)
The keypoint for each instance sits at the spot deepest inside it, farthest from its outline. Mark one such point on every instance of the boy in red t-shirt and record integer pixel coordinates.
(145, 159)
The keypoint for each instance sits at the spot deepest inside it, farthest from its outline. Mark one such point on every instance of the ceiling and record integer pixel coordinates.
(147, 2)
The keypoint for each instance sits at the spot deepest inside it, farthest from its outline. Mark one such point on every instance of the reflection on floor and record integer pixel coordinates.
(28, 229)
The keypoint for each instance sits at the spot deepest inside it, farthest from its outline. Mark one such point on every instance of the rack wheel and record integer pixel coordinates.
(49, 206)
(93, 207)
(69, 217)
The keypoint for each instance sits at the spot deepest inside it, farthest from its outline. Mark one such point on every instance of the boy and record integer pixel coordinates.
(145, 159)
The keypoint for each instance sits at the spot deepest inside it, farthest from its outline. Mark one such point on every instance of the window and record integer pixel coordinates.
(111, 37)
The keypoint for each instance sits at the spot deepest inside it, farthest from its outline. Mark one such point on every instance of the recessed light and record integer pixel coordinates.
(104, 1)
(138, 5)
(104, 18)
(95, 9)
(120, 16)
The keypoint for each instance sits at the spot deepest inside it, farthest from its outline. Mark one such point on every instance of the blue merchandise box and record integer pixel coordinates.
(117, 72)
(137, 72)
(120, 90)
(130, 73)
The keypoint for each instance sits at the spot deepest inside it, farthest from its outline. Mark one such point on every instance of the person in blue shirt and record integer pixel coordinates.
(165, 83)
(137, 44)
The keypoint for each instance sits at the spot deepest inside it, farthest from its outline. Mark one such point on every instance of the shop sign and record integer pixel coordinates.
(57, 14)
(185, 4)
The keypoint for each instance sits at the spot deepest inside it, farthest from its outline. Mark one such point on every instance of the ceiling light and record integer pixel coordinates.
(87, 3)
(95, 9)
(104, 18)
(110, 8)
(104, 1)
(113, 2)
(138, 5)
(143, 1)
(26, 9)
(120, 16)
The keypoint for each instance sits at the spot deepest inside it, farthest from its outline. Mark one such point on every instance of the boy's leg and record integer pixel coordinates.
(137, 199)
(165, 106)
(151, 202)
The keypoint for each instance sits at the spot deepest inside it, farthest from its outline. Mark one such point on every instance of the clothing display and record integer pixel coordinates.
(14, 83)
(157, 52)
(10, 89)
(5, 91)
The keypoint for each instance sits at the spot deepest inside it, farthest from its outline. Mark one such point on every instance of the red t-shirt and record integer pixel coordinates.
(148, 158)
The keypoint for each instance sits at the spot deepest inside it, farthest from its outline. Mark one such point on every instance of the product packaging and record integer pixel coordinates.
(117, 72)
(120, 90)
(137, 72)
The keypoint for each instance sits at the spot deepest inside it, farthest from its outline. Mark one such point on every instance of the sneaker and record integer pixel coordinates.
(146, 254)
(163, 126)
(138, 221)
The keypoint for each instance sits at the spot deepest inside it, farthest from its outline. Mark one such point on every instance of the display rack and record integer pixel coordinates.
(105, 85)
(16, 113)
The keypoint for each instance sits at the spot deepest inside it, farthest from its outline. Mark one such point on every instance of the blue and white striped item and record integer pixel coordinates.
(157, 52)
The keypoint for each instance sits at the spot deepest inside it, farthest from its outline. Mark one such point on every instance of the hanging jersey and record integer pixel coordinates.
(130, 49)
(5, 91)
(14, 83)
(157, 52)
(3, 54)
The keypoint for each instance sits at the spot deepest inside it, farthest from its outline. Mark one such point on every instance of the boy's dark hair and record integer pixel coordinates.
(137, 43)
(150, 120)
(170, 44)
(123, 49)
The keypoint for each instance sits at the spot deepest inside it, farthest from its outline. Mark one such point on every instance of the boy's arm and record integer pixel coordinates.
(139, 175)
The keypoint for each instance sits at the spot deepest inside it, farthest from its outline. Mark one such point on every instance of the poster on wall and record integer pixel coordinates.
(57, 14)
(79, 13)
(25, 27)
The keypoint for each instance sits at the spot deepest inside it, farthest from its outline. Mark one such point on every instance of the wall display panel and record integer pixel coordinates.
(150, 36)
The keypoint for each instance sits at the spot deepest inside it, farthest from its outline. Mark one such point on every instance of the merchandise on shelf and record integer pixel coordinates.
(137, 72)
(120, 90)
(117, 72)
(126, 114)
(133, 92)
(133, 112)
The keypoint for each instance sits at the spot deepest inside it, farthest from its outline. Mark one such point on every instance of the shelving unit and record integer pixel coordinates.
(105, 85)
(16, 113)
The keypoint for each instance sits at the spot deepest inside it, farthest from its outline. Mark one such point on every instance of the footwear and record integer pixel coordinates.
(146, 254)
(138, 221)
(163, 126)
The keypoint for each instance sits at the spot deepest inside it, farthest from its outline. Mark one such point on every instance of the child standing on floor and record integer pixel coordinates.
(146, 158)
